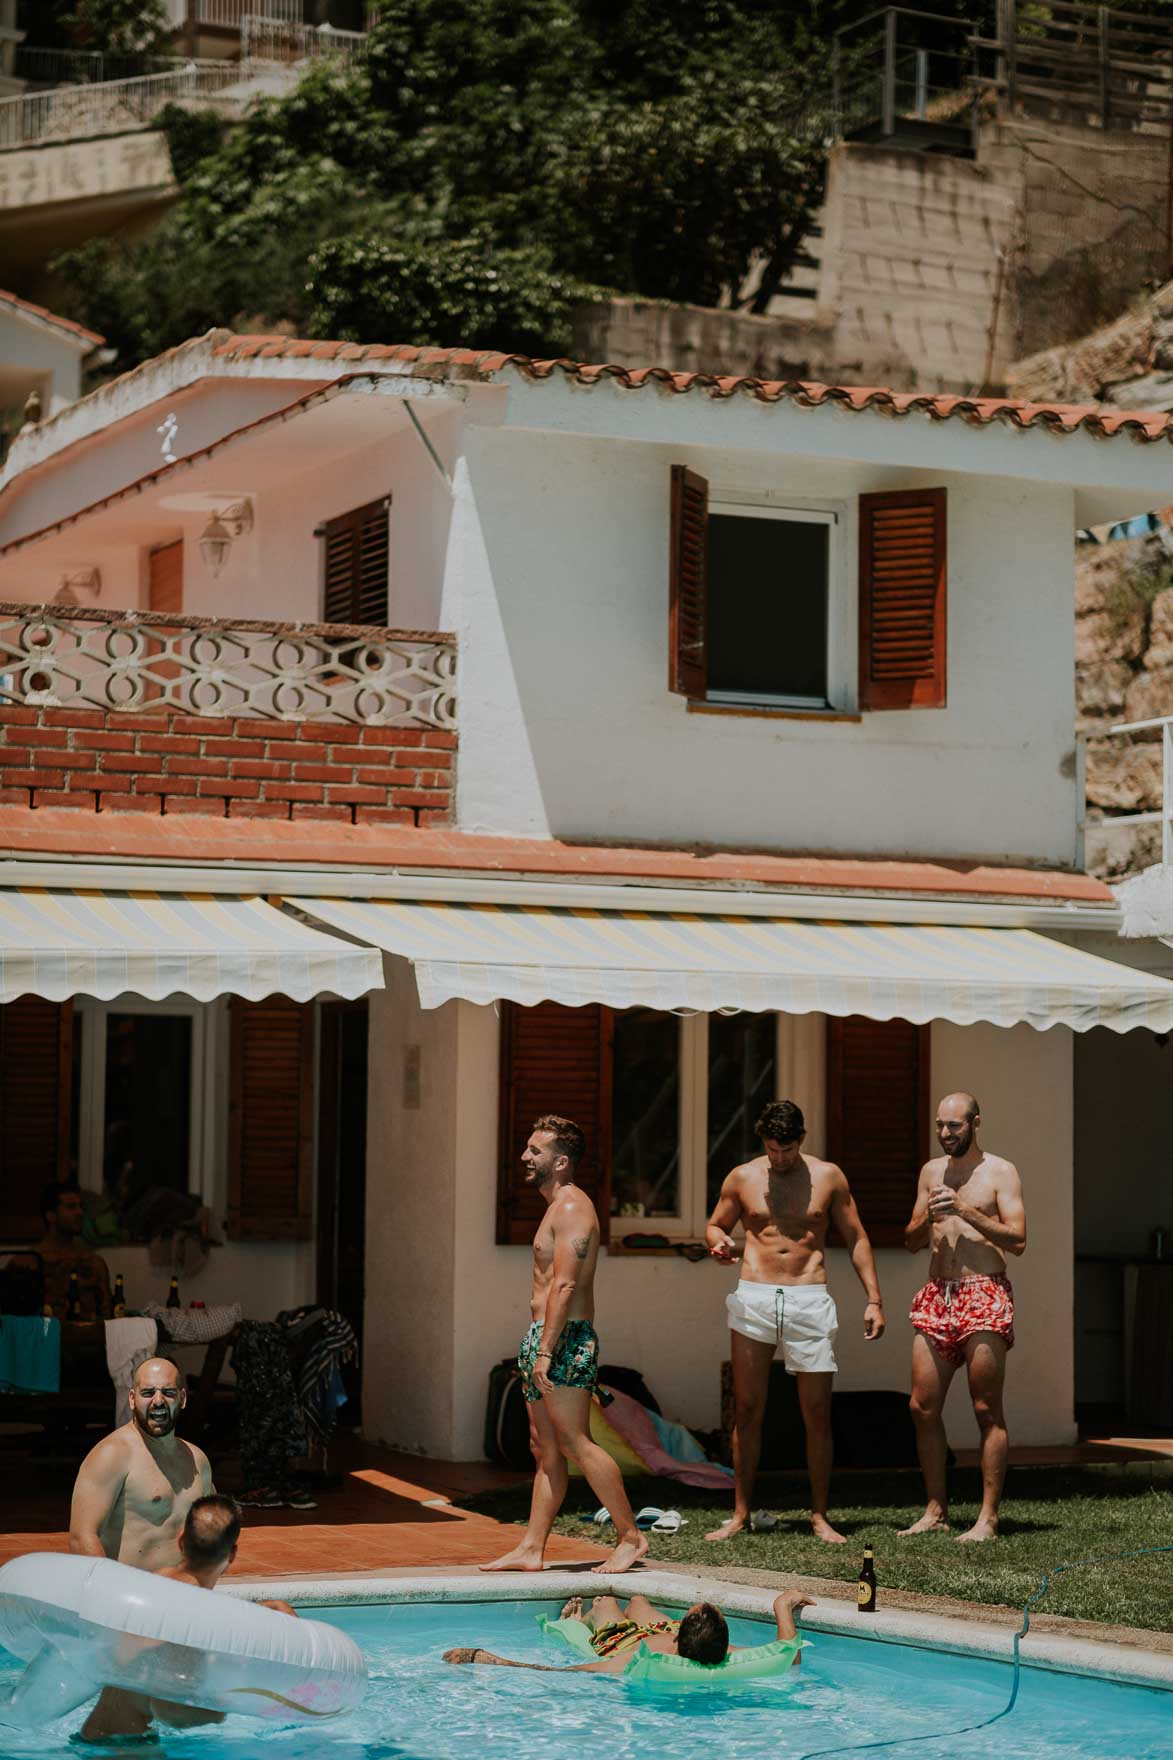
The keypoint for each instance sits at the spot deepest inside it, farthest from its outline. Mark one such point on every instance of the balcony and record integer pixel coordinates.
(122, 106)
(133, 712)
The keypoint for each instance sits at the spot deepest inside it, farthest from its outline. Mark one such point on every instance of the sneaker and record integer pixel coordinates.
(265, 1498)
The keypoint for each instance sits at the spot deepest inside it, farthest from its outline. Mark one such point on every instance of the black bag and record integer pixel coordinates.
(630, 1382)
(506, 1419)
(22, 1284)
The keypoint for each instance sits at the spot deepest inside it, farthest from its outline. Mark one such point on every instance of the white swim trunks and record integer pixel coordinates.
(800, 1317)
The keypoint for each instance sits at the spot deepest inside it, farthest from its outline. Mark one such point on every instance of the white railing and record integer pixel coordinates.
(62, 657)
(115, 106)
(1163, 817)
(230, 14)
(268, 39)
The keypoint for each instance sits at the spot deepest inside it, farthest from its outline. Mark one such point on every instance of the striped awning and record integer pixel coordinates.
(58, 943)
(918, 972)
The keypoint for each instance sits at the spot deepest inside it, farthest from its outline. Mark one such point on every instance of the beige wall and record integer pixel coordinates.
(444, 1304)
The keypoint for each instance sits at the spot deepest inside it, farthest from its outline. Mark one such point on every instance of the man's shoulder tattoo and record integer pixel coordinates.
(582, 1245)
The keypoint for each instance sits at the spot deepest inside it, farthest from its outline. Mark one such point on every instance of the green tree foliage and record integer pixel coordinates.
(116, 27)
(482, 167)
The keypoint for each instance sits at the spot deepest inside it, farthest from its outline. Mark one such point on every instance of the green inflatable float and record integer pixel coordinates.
(651, 1668)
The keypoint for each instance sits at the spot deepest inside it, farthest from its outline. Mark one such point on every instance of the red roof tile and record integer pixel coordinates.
(48, 317)
(487, 364)
(131, 835)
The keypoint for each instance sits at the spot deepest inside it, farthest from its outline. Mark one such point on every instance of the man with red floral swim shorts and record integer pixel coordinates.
(969, 1209)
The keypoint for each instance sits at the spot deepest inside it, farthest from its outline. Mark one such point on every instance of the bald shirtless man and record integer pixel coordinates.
(786, 1201)
(135, 1487)
(969, 1209)
(559, 1355)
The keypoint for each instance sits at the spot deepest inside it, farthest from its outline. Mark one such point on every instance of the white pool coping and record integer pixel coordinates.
(1126, 1663)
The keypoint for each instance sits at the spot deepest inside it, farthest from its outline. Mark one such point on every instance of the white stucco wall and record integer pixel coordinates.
(445, 1303)
(33, 349)
(557, 583)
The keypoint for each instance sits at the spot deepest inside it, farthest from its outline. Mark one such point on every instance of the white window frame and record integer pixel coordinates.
(689, 1225)
(842, 670)
(207, 1036)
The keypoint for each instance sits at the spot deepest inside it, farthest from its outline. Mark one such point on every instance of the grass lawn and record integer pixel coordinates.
(1049, 1517)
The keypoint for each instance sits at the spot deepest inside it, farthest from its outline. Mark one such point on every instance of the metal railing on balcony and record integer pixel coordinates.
(268, 39)
(58, 656)
(81, 112)
(1161, 725)
(84, 67)
(900, 67)
(229, 14)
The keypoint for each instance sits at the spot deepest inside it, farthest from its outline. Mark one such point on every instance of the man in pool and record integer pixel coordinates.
(207, 1544)
(969, 1210)
(786, 1202)
(559, 1355)
(135, 1487)
(701, 1636)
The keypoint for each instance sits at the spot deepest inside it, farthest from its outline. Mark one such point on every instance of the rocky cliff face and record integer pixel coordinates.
(1123, 672)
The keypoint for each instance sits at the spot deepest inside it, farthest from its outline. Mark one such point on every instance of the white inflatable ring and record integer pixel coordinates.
(85, 1623)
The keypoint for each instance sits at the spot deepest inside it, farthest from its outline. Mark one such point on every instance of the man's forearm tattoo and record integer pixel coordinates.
(581, 1245)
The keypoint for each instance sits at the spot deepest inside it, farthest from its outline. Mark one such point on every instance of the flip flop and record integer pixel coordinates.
(601, 1518)
(669, 1521)
(648, 1517)
(762, 1522)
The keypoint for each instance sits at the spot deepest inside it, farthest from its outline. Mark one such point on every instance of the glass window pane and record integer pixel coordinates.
(767, 612)
(741, 1081)
(147, 1121)
(645, 1115)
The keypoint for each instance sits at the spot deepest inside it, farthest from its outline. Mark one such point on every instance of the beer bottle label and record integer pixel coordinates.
(865, 1595)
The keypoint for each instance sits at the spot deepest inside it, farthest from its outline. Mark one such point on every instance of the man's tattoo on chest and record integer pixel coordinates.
(582, 1245)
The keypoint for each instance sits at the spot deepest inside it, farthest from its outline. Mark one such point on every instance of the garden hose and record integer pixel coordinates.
(969, 1728)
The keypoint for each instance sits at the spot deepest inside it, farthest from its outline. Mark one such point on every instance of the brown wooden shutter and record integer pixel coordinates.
(688, 584)
(270, 1120)
(165, 578)
(902, 600)
(553, 1059)
(356, 565)
(877, 1117)
(36, 1090)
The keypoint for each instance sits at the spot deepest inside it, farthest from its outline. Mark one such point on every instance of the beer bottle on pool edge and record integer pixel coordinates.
(866, 1592)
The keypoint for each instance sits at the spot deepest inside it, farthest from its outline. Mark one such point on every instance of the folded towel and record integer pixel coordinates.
(30, 1354)
(128, 1343)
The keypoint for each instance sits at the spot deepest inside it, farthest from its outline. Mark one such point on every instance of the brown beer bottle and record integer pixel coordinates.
(73, 1300)
(119, 1303)
(866, 1591)
(173, 1294)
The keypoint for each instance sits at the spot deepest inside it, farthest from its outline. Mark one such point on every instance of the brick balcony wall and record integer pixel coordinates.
(165, 761)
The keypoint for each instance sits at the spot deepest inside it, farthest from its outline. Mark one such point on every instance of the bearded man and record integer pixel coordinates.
(135, 1487)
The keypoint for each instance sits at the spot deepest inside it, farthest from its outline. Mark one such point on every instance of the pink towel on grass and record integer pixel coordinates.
(637, 1428)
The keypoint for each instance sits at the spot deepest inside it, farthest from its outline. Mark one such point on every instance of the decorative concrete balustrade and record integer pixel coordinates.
(143, 712)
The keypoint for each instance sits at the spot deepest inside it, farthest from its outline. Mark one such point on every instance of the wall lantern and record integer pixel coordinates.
(78, 584)
(216, 537)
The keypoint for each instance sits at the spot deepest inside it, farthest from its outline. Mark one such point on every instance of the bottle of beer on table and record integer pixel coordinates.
(119, 1297)
(173, 1300)
(866, 1592)
(73, 1300)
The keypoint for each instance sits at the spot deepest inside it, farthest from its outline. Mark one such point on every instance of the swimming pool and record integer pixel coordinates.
(851, 1689)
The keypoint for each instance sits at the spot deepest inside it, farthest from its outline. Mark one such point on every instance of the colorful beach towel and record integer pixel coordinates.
(641, 1441)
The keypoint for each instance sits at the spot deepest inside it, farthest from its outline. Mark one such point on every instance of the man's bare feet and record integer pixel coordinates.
(735, 1525)
(985, 1528)
(627, 1553)
(523, 1558)
(573, 1608)
(933, 1521)
(822, 1530)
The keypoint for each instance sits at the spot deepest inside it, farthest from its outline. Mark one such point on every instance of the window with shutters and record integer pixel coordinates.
(769, 604)
(270, 1120)
(902, 600)
(878, 1117)
(355, 565)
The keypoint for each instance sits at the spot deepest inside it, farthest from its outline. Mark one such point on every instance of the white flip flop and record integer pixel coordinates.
(648, 1516)
(762, 1522)
(669, 1521)
(601, 1518)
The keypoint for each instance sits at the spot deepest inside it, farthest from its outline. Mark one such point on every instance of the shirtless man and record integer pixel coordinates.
(65, 1253)
(786, 1201)
(701, 1636)
(969, 1208)
(559, 1355)
(207, 1545)
(135, 1487)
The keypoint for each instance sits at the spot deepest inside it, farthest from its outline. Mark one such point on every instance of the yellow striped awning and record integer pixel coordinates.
(57, 943)
(918, 972)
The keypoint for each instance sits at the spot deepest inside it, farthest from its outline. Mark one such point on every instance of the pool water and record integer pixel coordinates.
(847, 1692)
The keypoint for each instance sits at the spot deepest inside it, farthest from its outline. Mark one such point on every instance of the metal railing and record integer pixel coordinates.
(269, 39)
(84, 67)
(1117, 821)
(116, 106)
(902, 65)
(58, 656)
(229, 14)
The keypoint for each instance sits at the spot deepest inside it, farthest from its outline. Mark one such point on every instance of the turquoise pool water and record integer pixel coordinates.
(847, 1692)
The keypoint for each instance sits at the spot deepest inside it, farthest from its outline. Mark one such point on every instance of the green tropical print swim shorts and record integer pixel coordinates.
(575, 1361)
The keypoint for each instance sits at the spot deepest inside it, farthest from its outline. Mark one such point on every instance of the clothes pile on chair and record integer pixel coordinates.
(320, 1341)
(288, 1390)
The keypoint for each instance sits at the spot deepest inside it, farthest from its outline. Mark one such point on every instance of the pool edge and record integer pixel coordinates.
(1128, 1664)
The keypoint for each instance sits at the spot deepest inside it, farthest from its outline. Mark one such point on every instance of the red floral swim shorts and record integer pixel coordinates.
(949, 1310)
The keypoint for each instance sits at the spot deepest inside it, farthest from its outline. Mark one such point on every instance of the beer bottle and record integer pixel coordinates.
(119, 1297)
(866, 1591)
(73, 1300)
(173, 1294)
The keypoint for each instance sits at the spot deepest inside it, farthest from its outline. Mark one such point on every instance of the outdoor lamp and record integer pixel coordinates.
(216, 537)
